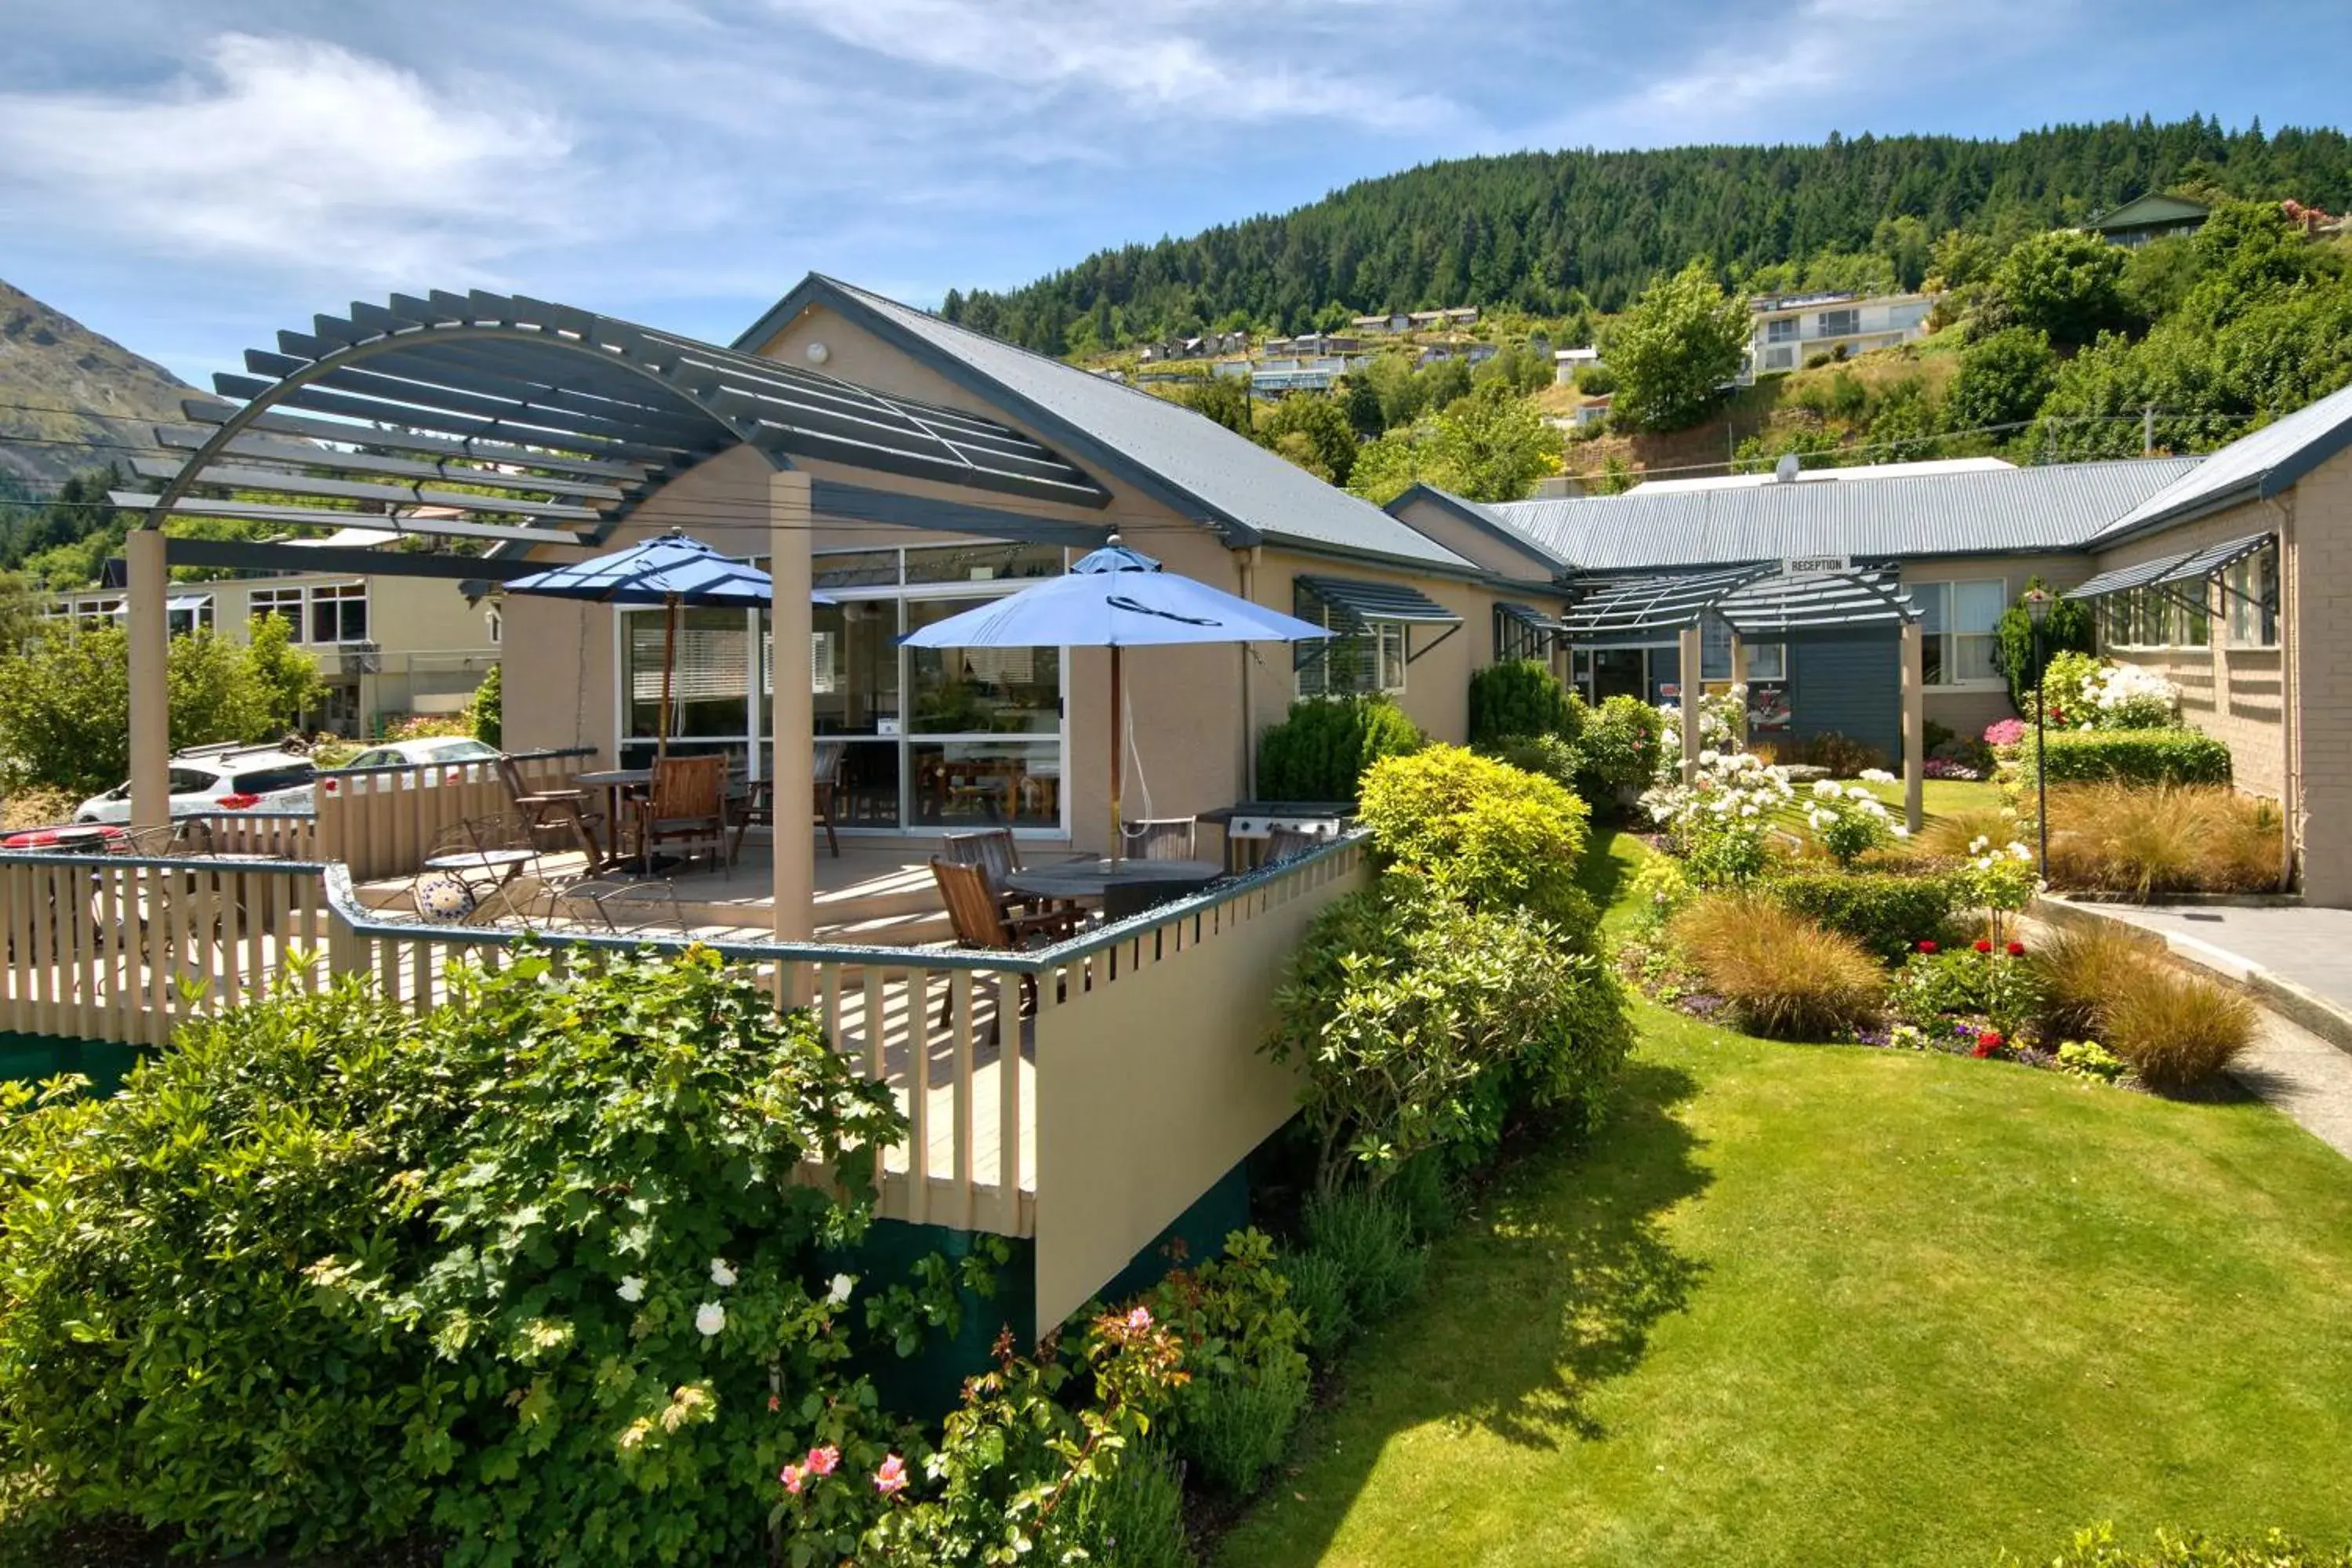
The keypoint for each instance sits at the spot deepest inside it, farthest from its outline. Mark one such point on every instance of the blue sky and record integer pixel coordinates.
(188, 178)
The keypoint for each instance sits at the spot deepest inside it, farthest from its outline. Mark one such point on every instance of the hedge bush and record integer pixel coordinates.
(1519, 697)
(1492, 835)
(1320, 750)
(1889, 912)
(2129, 757)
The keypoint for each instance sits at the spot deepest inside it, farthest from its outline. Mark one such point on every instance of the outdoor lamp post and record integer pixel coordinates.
(2037, 610)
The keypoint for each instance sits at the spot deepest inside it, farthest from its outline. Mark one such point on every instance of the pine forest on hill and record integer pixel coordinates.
(1551, 234)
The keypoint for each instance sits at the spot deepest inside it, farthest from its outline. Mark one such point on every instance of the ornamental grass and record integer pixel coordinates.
(1781, 975)
(2079, 966)
(2142, 839)
(2176, 1029)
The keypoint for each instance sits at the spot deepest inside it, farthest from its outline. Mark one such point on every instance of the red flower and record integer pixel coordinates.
(1986, 1044)
(1984, 946)
(2017, 949)
(1926, 947)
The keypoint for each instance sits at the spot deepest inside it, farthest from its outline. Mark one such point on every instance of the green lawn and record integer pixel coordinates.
(1812, 1305)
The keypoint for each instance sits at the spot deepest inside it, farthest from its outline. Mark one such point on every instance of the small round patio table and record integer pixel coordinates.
(1125, 886)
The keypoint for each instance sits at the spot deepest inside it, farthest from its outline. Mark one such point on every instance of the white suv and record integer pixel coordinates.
(227, 777)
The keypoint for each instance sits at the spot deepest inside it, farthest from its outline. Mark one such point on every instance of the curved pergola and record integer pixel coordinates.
(1767, 601)
(491, 417)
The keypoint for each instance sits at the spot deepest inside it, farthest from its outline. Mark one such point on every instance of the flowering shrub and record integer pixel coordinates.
(1947, 768)
(1719, 823)
(1660, 887)
(529, 1271)
(1720, 724)
(2005, 732)
(2128, 697)
(1934, 988)
(1998, 880)
(1621, 743)
(1247, 1374)
(1849, 821)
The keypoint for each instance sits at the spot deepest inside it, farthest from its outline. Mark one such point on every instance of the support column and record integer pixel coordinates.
(1687, 675)
(151, 697)
(1739, 680)
(1915, 724)
(793, 719)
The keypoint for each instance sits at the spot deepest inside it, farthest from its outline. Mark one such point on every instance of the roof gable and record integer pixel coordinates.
(2254, 466)
(1192, 465)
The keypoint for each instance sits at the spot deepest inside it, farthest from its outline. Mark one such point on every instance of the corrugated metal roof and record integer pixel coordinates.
(1193, 463)
(2057, 508)
(2254, 466)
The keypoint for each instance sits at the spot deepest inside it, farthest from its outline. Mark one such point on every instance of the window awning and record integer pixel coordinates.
(1357, 600)
(2217, 558)
(1528, 615)
(2124, 578)
(189, 601)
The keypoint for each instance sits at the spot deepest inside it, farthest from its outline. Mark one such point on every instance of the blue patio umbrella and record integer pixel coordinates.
(672, 570)
(1115, 598)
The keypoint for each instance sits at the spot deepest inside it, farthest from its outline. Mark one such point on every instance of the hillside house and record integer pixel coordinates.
(1790, 331)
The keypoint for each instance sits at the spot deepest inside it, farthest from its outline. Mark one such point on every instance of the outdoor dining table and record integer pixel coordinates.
(1125, 886)
(506, 864)
(616, 783)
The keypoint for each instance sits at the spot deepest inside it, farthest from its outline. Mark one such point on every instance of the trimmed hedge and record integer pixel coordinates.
(2130, 756)
(1519, 697)
(1321, 749)
(1889, 912)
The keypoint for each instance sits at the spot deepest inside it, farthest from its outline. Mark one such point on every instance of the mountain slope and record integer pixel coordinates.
(63, 387)
(1544, 231)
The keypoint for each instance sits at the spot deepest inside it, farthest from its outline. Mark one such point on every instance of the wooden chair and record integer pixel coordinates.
(997, 852)
(980, 922)
(686, 810)
(554, 810)
(1160, 838)
(757, 806)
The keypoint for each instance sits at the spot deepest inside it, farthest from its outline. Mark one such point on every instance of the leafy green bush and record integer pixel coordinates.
(1518, 696)
(1934, 987)
(1240, 1334)
(2088, 1058)
(523, 1271)
(1419, 1022)
(1491, 835)
(1546, 756)
(1371, 1244)
(1888, 912)
(1621, 741)
(1781, 974)
(1319, 1288)
(2069, 628)
(2097, 1548)
(2128, 756)
(1320, 750)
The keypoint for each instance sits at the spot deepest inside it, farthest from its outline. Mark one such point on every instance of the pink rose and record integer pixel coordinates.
(821, 1461)
(891, 1479)
(793, 1474)
(1140, 1320)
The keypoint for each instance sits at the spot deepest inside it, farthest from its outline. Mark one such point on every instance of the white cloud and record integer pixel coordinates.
(300, 153)
(1150, 57)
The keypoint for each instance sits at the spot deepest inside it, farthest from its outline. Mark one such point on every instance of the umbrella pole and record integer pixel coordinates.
(1118, 827)
(670, 662)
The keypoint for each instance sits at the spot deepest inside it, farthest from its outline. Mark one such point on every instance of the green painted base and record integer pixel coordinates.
(29, 1059)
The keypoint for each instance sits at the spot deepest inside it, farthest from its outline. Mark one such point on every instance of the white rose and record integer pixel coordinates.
(720, 1275)
(1900, 831)
(842, 1285)
(710, 1318)
(633, 1290)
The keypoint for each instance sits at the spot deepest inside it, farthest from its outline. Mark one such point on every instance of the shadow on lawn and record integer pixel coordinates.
(1547, 1290)
(1573, 1241)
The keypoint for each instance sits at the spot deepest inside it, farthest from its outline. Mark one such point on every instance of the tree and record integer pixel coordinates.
(1680, 342)
(289, 683)
(65, 704)
(2002, 380)
(1493, 447)
(1222, 398)
(1387, 467)
(485, 714)
(1314, 432)
(1362, 401)
(20, 612)
(2066, 285)
(1960, 258)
